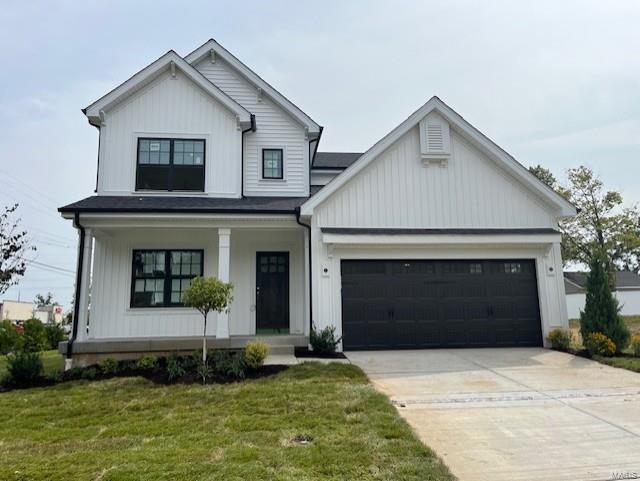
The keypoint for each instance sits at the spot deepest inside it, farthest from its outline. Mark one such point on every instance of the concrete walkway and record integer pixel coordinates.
(515, 414)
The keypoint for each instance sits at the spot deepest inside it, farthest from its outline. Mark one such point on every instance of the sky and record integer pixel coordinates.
(553, 83)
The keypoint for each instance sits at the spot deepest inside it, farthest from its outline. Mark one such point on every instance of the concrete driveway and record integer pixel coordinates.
(515, 414)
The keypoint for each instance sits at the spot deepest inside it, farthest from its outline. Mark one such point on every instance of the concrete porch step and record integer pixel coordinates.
(281, 350)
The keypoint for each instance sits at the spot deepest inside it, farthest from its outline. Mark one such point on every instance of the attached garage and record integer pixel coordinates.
(411, 304)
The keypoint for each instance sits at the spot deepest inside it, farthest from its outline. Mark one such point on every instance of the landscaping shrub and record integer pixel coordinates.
(147, 362)
(204, 370)
(600, 345)
(10, 339)
(560, 339)
(109, 366)
(89, 373)
(324, 341)
(635, 345)
(55, 335)
(24, 368)
(229, 364)
(35, 336)
(601, 311)
(255, 353)
(175, 367)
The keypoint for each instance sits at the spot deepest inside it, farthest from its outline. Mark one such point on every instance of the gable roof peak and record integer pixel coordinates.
(169, 61)
(205, 49)
(467, 131)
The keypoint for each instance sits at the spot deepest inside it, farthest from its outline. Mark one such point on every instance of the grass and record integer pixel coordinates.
(625, 362)
(131, 429)
(52, 362)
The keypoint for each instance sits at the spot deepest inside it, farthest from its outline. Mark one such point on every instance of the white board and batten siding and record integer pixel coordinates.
(396, 190)
(275, 129)
(113, 318)
(170, 107)
(399, 190)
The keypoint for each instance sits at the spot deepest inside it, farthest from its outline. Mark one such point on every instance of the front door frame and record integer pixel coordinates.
(260, 297)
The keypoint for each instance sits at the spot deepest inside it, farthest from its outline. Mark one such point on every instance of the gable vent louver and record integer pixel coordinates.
(435, 140)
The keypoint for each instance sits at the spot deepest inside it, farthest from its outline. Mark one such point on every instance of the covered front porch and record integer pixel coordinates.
(137, 266)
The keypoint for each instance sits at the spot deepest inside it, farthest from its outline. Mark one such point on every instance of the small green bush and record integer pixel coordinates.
(10, 339)
(147, 362)
(599, 345)
(325, 340)
(229, 364)
(89, 373)
(55, 335)
(255, 353)
(204, 370)
(175, 367)
(73, 374)
(560, 339)
(109, 366)
(24, 368)
(635, 345)
(35, 336)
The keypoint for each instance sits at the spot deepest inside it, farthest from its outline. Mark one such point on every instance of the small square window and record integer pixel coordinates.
(272, 164)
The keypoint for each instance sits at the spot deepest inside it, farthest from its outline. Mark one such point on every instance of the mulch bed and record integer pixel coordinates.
(303, 352)
(157, 376)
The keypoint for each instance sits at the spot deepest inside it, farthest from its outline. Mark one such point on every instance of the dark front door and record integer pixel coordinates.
(272, 291)
(413, 304)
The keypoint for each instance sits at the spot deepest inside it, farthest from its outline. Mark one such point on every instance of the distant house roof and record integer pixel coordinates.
(334, 160)
(575, 282)
(166, 204)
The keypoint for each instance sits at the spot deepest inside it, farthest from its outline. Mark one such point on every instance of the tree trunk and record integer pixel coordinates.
(204, 341)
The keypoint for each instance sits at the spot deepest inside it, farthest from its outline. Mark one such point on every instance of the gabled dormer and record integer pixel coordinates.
(201, 125)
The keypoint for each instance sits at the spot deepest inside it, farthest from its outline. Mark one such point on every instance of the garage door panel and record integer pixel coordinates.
(417, 303)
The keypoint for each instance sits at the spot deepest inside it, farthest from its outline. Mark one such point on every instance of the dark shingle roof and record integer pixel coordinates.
(334, 160)
(578, 281)
(134, 203)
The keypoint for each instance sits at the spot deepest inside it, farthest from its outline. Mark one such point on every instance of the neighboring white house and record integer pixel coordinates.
(51, 314)
(434, 237)
(627, 292)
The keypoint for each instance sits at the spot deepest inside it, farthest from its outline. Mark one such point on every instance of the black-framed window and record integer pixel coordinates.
(170, 164)
(272, 163)
(160, 277)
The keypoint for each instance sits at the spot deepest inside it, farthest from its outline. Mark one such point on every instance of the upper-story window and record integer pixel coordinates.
(272, 164)
(170, 164)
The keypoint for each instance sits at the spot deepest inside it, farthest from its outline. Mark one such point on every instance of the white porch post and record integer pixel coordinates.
(85, 283)
(224, 259)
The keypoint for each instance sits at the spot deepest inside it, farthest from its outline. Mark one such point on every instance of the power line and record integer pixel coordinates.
(42, 265)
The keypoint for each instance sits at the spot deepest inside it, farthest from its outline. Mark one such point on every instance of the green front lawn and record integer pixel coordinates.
(52, 362)
(131, 429)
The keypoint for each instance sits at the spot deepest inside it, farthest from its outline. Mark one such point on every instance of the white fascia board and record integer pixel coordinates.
(131, 221)
(150, 73)
(450, 240)
(205, 50)
(463, 127)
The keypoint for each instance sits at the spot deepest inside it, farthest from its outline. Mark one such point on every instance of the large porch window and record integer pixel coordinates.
(160, 277)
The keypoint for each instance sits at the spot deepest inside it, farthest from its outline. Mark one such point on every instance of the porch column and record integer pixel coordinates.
(224, 258)
(85, 283)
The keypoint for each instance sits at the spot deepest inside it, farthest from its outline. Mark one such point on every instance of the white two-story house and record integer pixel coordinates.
(434, 237)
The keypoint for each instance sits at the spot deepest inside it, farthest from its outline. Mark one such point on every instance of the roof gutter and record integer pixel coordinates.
(252, 128)
(308, 227)
(78, 291)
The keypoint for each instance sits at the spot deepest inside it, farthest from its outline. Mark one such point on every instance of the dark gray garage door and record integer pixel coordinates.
(421, 304)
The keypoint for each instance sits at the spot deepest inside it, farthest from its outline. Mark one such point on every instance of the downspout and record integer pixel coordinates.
(98, 169)
(78, 293)
(308, 227)
(252, 128)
